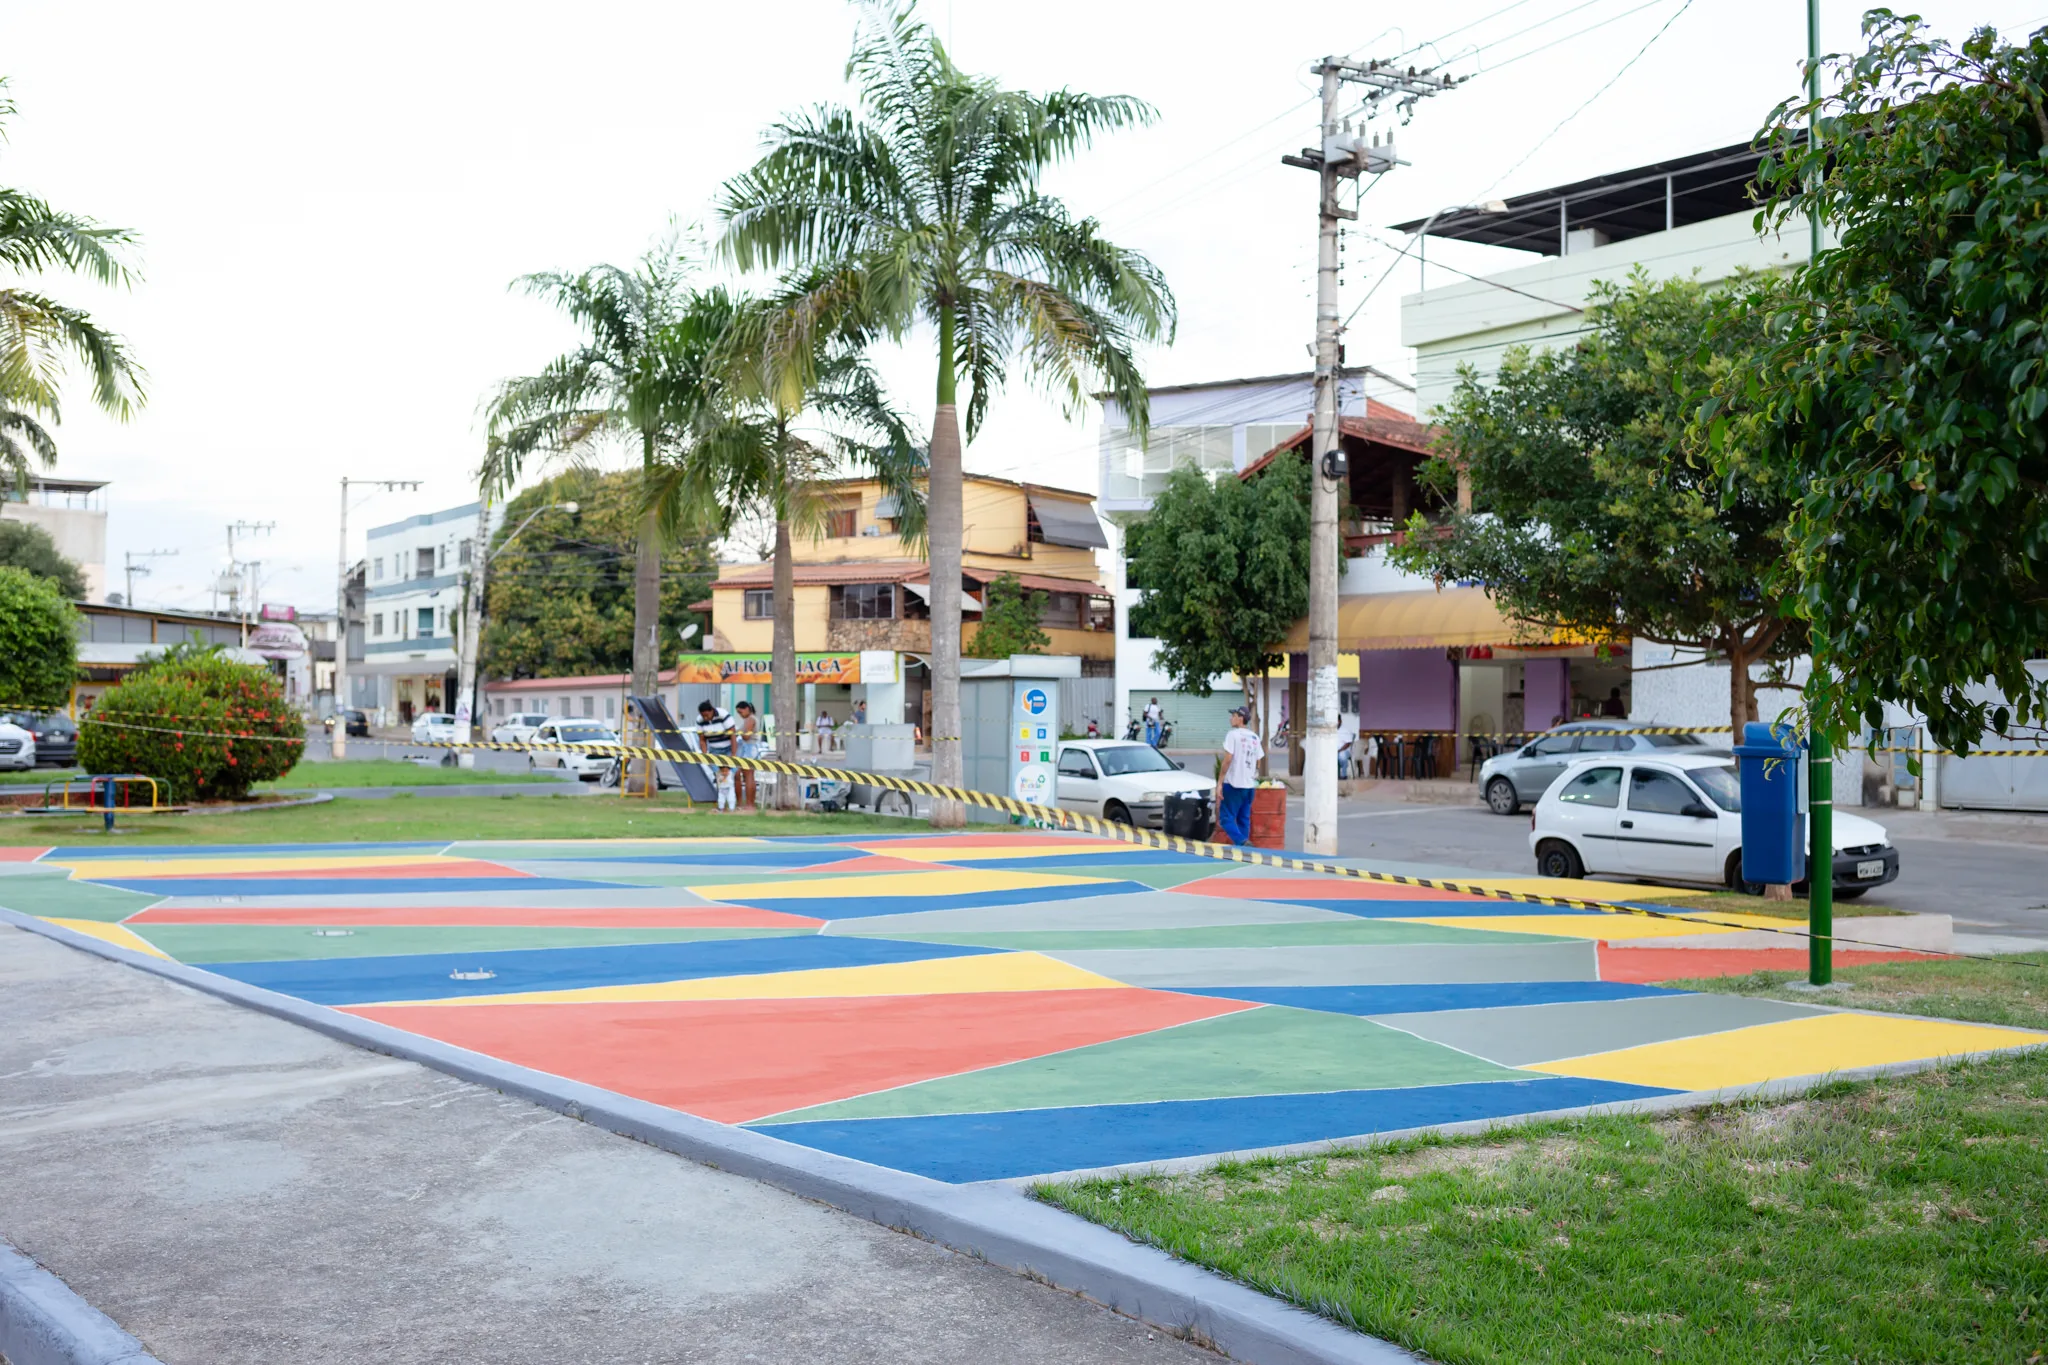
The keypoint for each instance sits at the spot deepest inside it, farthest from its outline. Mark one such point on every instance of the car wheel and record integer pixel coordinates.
(1556, 858)
(1733, 876)
(1117, 814)
(1501, 798)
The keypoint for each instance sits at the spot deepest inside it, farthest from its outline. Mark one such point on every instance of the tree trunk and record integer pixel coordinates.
(943, 528)
(647, 607)
(782, 690)
(1741, 695)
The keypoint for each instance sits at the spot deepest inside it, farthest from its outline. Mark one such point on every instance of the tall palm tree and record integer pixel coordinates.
(779, 422)
(619, 387)
(39, 335)
(923, 207)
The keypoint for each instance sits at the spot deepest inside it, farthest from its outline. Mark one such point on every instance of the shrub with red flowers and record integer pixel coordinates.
(198, 722)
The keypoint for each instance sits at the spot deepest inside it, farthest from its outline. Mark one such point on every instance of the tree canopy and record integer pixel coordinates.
(38, 641)
(1592, 513)
(559, 597)
(1908, 374)
(1010, 615)
(27, 546)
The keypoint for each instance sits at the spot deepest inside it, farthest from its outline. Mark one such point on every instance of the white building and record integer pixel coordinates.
(414, 588)
(74, 512)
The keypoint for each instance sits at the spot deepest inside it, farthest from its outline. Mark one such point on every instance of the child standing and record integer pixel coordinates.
(726, 799)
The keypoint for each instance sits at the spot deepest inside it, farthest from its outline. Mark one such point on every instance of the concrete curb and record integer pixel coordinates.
(990, 1222)
(43, 1323)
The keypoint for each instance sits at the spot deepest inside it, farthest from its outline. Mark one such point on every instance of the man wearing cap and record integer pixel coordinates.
(1241, 754)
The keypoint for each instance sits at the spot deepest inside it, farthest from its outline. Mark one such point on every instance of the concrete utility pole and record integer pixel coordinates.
(133, 568)
(1342, 156)
(237, 597)
(338, 744)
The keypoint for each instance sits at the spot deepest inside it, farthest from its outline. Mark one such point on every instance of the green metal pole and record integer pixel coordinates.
(1820, 856)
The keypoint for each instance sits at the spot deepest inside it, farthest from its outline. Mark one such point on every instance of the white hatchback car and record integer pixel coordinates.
(17, 747)
(588, 766)
(434, 727)
(1675, 817)
(1122, 781)
(518, 727)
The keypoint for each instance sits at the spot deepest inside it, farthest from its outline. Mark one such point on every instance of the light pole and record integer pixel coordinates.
(339, 747)
(143, 569)
(1820, 860)
(1422, 233)
(473, 618)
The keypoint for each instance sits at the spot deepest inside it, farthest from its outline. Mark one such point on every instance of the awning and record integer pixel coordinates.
(1427, 620)
(1068, 523)
(888, 505)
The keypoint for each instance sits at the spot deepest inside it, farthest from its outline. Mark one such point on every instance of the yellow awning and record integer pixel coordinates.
(1428, 619)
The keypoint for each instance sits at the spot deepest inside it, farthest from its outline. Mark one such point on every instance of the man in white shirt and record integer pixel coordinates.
(1153, 715)
(1241, 754)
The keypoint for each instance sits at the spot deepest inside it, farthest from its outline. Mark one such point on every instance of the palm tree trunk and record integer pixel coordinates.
(943, 526)
(782, 664)
(647, 607)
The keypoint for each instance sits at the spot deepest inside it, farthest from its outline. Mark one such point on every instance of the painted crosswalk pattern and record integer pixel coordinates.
(983, 1006)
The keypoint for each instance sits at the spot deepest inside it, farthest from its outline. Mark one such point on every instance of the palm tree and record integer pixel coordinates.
(778, 423)
(620, 386)
(38, 335)
(924, 208)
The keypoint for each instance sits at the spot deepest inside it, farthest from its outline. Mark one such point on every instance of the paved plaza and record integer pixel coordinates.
(976, 1007)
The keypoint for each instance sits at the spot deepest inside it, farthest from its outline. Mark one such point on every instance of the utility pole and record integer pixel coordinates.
(237, 596)
(133, 568)
(339, 741)
(1342, 156)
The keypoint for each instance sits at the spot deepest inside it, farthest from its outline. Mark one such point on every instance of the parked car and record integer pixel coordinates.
(518, 727)
(1676, 816)
(1519, 777)
(435, 728)
(358, 724)
(17, 746)
(1121, 781)
(56, 737)
(587, 766)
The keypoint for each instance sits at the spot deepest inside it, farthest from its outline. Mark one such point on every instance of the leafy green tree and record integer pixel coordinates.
(26, 546)
(1908, 377)
(38, 641)
(1223, 568)
(1592, 512)
(559, 598)
(778, 424)
(1009, 621)
(924, 208)
(40, 337)
(618, 387)
(205, 726)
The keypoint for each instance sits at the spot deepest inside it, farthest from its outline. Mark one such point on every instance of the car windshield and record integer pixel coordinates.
(1720, 785)
(584, 734)
(1673, 741)
(1123, 759)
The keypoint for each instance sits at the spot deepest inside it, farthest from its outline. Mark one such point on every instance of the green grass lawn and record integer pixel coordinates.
(1904, 1219)
(345, 820)
(2012, 990)
(391, 772)
(1734, 902)
(36, 777)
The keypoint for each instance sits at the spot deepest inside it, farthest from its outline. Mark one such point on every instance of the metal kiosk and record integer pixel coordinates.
(1010, 727)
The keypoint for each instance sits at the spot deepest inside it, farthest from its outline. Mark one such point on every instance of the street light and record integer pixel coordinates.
(1422, 235)
(473, 621)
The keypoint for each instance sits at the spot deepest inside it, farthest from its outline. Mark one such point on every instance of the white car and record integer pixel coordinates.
(434, 728)
(518, 727)
(1676, 817)
(1122, 781)
(17, 747)
(587, 766)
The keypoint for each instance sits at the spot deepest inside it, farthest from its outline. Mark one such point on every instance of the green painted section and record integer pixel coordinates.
(596, 850)
(1264, 1051)
(60, 897)
(283, 942)
(1218, 936)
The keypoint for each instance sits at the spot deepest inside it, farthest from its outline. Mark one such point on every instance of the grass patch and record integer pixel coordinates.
(1734, 902)
(2012, 990)
(1904, 1219)
(342, 820)
(391, 772)
(36, 777)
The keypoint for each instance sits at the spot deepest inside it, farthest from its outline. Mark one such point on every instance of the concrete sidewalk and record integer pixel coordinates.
(231, 1188)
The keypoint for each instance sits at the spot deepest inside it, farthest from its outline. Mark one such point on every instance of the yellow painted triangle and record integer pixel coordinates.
(110, 933)
(910, 886)
(977, 974)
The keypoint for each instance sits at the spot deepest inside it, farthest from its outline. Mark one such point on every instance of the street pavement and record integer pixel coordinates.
(236, 1190)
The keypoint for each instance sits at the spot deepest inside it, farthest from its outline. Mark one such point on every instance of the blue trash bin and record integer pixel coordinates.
(1773, 835)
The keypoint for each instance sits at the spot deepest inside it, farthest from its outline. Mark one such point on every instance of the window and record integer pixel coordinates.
(1672, 741)
(540, 711)
(864, 602)
(377, 569)
(1720, 784)
(498, 707)
(1347, 700)
(1595, 787)
(611, 708)
(1260, 437)
(589, 706)
(443, 619)
(377, 624)
(425, 566)
(568, 706)
(841, 521)
(1550, 746)
(759, 604)
(463, 551)
(1099, 614)
(1121, 760)
(426, 621)
(1594, 742)
(1076, 763)
(1652, 791)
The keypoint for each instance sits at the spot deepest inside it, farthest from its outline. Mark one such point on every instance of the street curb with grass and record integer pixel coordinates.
(42, 1322)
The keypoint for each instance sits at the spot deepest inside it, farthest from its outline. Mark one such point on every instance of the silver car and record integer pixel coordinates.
(1519, 777)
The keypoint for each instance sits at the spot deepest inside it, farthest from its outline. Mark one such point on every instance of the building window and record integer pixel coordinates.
(568, 707)
(611, 708)
(443, 618)
(842, 521)
(424, 568)
(498, 707)
(1099, 614)
(426, 621)
(377, 624)
(589, 706)
(864, 602)
(760, 604)
(463, 551)
(540, 705)
(377, 569)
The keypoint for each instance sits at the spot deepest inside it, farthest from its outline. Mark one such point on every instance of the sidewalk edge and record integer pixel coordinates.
(42, 1322)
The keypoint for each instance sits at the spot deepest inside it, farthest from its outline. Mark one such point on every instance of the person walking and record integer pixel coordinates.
(1241, 754)
(1153, 715)
(749, 746)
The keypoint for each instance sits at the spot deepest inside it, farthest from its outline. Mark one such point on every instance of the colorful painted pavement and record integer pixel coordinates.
(978, 1006)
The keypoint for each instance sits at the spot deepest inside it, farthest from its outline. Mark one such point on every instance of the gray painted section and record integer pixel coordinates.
(1138, 910)
(992, 1222)
(1341, 964)
(1525, 1034)
(43, 1323)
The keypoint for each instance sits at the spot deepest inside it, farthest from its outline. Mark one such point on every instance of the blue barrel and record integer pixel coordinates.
(1773, 842)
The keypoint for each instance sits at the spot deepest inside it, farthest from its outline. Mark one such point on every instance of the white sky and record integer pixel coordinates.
(332, 200)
